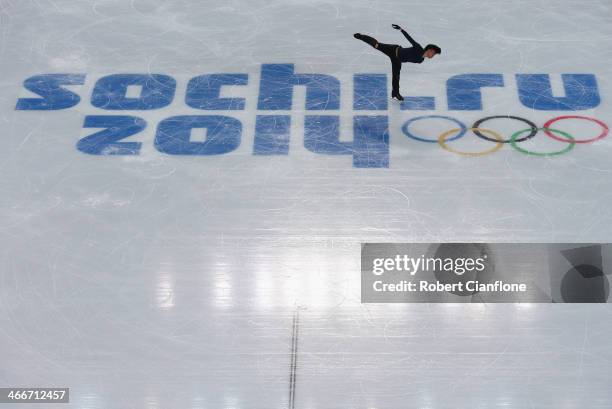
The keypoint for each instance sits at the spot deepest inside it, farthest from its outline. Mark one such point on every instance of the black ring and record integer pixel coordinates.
(534, 128)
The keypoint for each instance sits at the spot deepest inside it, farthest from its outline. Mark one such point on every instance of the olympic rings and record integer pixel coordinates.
(534, 128)
(515, 138)
(603, 134)
(498, 145)
(569, 138)
(411, 135)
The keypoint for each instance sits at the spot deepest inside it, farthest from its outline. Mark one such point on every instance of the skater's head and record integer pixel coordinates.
(431, 50)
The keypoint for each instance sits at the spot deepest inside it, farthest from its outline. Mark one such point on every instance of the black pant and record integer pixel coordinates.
(389, 50)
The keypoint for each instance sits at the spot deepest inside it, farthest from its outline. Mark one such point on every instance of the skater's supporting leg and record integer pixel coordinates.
(396, 67)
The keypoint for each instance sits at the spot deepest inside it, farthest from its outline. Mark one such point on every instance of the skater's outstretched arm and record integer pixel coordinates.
(414, 43)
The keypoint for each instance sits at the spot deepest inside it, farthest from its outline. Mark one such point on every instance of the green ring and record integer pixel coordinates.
(570, 139)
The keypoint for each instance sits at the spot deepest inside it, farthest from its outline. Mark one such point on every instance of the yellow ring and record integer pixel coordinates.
(498, 145)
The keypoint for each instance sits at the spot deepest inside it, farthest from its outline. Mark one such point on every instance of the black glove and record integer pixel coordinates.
(395, 26)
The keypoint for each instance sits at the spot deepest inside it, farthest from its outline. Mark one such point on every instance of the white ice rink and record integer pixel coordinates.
(232, 281)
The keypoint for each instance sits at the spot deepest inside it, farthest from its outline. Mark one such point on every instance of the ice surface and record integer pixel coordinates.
(167, 282)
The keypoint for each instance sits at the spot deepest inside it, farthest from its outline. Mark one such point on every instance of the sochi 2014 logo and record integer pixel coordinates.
(369, 147)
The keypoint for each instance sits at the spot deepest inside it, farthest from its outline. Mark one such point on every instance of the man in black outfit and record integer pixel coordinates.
(398, 55)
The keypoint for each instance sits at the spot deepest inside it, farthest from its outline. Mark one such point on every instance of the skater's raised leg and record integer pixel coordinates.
(388, 50)
(367, 39)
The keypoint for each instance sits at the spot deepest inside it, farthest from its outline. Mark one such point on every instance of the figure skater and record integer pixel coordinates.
(415, 54)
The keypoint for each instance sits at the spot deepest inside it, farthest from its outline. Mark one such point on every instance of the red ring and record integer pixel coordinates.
(602, 124)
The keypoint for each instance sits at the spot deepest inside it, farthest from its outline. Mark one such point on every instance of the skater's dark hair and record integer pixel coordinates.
(434, 47)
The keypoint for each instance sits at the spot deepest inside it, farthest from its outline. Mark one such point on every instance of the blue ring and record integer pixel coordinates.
(458, 122)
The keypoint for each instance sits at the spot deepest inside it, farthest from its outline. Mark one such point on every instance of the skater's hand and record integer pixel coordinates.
(395, 26)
